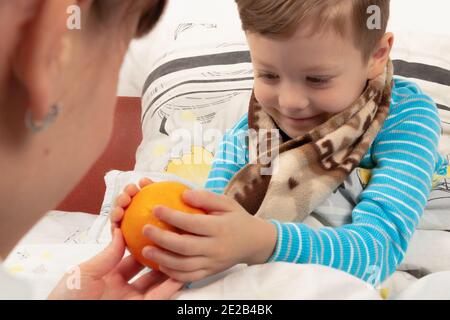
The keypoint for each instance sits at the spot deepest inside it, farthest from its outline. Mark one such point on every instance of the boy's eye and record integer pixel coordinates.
(317, 80)
(268, 76)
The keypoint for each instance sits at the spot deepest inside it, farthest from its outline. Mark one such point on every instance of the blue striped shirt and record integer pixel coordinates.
(403, 159)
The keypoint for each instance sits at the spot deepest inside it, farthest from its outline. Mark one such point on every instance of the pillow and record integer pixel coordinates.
(423, 61)
(188, 102)
(422, 44)
(198, 87)
(183, 26)
(201, 82)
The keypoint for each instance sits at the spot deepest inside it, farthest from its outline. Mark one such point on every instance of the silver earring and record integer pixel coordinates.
(36, 127)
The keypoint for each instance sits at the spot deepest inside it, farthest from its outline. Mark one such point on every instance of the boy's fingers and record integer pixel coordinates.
(208, 201)
(131, 190)
(172, 260)
(194, 223)
(185, 244)
(123, 200)
(116, 217)
(117, 214)
(144, 182)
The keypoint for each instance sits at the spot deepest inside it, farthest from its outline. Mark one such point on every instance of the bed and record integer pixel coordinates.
(201, 80)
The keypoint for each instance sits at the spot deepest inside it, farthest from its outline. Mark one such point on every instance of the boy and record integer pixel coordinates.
(323, 79)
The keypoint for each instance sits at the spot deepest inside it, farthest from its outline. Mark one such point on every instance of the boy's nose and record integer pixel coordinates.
(291, 100)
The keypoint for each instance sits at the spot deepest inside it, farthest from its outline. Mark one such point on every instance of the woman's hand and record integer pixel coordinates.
(107, 276)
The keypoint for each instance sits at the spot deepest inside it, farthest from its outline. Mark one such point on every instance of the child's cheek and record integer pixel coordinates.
(331, 102)
(265, 94)
(340, 96)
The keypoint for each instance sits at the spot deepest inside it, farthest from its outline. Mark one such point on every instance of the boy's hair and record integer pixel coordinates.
(281, 18)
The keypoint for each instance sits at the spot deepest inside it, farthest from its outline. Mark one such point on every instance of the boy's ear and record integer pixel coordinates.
(37, 57)
(379, 58)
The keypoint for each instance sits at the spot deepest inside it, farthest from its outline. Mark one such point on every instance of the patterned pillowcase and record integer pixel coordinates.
(189, 100)
(424, 61)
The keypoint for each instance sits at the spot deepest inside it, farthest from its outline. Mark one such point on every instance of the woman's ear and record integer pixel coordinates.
(380, 57)
(37, 59)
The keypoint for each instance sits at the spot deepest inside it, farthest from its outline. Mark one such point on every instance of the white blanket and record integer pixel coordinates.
(43, 264)
(62, 240)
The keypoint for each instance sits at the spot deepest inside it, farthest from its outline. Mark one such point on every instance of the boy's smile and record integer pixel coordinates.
(302, 80)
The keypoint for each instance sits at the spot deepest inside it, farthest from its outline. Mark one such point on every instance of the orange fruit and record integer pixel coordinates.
(140, 213)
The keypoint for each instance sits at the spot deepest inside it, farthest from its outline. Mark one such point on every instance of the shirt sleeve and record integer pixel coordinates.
(230, 157)
(388, 210)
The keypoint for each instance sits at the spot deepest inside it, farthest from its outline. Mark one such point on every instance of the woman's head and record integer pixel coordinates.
(43, 63)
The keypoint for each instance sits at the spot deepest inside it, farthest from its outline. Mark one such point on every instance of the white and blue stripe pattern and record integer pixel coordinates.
(403, 159)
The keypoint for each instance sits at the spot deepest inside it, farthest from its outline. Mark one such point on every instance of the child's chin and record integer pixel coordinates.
(293, 133)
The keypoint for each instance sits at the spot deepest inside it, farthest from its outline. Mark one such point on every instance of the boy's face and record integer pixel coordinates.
(302, 81)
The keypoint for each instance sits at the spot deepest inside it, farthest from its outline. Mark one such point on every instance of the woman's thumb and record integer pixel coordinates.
(106, 260)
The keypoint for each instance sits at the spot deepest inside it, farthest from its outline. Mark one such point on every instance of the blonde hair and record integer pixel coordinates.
(281, 18)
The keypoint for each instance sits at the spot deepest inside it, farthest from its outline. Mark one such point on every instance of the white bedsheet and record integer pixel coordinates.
(57, 243)
(60, 241)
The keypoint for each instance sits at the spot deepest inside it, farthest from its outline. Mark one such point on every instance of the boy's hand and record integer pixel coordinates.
(123, 200)
(226, 236)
